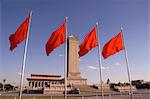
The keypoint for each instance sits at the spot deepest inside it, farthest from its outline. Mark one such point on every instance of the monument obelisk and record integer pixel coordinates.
(73, 69)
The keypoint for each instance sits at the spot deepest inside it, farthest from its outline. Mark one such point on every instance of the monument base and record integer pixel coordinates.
(76, 79)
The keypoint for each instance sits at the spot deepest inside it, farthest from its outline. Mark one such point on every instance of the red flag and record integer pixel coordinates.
(113, 46)
(19, 35)
(56, 39)
(90, 41)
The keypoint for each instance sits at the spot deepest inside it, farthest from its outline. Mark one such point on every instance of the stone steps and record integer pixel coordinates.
(89, 89)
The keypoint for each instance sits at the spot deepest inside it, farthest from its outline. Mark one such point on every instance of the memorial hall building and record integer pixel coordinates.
(41, 81)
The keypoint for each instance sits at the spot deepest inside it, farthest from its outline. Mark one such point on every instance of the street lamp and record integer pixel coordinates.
(4, 80)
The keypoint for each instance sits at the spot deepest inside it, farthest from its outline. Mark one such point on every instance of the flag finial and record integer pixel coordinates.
(66, 17)
(30, 13)
(97, 23)
(121, 28)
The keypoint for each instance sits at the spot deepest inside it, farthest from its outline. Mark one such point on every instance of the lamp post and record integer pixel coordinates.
(4, 80)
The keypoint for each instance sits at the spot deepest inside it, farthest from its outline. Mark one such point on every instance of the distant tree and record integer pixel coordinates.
(108, 81)
(138, 86)
(112, 86)
(94, 86)
(4, 81)
(1, 86)
(120, 84)
(127, 84)
(9, 87)
(145, 85)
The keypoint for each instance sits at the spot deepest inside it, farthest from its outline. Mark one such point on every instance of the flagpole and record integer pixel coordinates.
(24, 58)
(99, 61)
(65, 63)
(127, 64)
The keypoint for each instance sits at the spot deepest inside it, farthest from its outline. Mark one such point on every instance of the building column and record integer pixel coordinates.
(31, 84)
(41, 83)
(34, 83)
(37, 83)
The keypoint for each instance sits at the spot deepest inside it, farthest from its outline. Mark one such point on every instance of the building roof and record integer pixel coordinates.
(43, 75)
(137, 80)
(43, 79)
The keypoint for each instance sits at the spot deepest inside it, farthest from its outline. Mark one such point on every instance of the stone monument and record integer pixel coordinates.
(54, 83)
(73, 69)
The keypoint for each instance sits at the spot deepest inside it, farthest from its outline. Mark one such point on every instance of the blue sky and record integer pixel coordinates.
(48, 15)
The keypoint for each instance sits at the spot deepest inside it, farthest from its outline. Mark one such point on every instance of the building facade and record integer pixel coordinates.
(38, 81)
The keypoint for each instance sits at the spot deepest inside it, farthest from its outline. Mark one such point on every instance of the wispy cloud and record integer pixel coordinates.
(105, 67)
(19, 74)
(117, 64)
(94, 68)
(60, 55)
(80, 60)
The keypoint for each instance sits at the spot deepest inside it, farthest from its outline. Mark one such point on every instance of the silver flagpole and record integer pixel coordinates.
(65, 63)
(99, 61)
(127, 64)
(24, 58)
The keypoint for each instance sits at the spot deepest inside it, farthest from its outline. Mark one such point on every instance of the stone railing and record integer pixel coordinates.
(55, 89)
(124, 88)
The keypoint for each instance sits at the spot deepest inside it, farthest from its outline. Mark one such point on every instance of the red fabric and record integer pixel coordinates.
(56, 39)
(20, 35)
(113, 46)
(90, 41)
